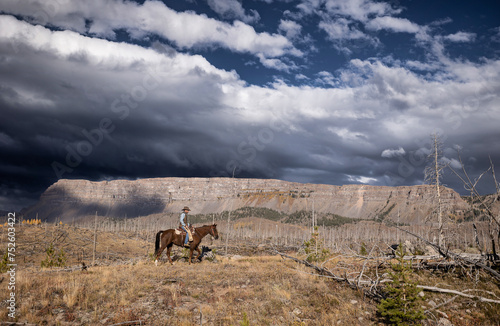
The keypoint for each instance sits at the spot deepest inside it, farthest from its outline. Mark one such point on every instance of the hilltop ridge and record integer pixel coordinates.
(69, 200)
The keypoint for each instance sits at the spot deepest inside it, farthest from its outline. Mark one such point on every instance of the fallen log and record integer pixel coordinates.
(371, 288)
(470, 296)
(449, 254)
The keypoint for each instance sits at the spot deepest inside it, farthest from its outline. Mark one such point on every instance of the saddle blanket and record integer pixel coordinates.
(181, 231)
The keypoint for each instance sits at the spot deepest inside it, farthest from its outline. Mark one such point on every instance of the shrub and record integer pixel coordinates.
(298, 217)
(336, 220)
(384, 214)
(327, 219)
(211, 256)
(242, 212)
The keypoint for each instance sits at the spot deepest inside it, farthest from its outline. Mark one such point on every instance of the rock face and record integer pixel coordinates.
(71, 199)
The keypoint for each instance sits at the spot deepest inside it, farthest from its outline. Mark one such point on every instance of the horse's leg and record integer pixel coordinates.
(160, 249)
(166, 237)
(196, 243)
(159, 254)
(190, 254)
(169, 249)
(199, 253)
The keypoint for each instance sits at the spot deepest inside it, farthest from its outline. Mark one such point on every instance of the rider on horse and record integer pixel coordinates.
(185, 225)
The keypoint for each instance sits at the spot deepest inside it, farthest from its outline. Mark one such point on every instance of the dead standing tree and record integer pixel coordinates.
(460, 260)
(433, 173)
(481, 204)
(229, 213)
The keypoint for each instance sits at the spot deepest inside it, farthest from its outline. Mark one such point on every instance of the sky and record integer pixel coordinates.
(315, 91)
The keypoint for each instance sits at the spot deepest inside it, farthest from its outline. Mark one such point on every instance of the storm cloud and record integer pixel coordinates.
(77, 106)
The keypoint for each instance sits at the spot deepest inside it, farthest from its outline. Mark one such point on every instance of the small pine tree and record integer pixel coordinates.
(362, 250)
(51, 260)
(315, 249)
(245, 321)
(61, 258)
(402, 305)
(4, 262)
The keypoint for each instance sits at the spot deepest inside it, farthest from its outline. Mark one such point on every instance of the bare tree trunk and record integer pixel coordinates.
(229, 214)
(497, 187)
(433, 176)
(440, 210)
(477, 239)
(95, 239)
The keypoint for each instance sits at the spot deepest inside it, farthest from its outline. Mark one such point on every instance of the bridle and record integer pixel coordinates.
(212, 230)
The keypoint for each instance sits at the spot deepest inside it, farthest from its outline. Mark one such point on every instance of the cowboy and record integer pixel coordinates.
(185, 225)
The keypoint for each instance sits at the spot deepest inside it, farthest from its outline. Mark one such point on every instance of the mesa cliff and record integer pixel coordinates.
(68, 200)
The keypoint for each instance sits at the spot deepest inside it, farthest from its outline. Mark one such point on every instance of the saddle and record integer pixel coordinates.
(179, 230)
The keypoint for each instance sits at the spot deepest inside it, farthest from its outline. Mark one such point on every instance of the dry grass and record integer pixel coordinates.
(263, 290)
(77, 243)
(267, 290)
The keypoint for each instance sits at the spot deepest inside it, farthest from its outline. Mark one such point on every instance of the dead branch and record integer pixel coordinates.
(133, 322)
(440, 305)
(462, 294)
(436, 265)
(364, 265)
(449, 254)
(354, 283)
(370, 289)
(471, 186)
(497, 185)
(69, 269)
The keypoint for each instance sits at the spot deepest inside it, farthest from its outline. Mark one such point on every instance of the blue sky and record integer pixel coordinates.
(320, 91)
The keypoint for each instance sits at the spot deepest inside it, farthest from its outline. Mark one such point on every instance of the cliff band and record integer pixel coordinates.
(69, 200)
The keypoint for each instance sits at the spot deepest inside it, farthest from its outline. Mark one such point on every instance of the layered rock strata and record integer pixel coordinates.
(68, 200)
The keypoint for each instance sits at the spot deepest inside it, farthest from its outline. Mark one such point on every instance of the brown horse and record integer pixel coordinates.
(168, 238)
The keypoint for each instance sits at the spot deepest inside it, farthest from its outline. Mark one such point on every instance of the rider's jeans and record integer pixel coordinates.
(187, 234)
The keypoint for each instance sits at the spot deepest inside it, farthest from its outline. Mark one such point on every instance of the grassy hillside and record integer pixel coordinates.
(232, 290)
(257, 290)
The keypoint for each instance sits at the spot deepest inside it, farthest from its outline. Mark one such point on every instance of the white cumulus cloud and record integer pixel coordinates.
(290, 28)
(388, 153)
(185, 29)
(233, 9)
(461, 37)
(359, 10)
(394, 24)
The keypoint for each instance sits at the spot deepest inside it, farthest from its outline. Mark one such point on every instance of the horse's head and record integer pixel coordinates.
(213, 231)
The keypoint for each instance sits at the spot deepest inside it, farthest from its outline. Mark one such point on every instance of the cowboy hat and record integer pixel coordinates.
(186, 208)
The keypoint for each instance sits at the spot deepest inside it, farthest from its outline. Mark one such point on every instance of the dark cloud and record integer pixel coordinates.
(75, 106)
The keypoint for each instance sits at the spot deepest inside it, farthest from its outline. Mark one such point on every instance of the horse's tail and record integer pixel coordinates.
(157, 242)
